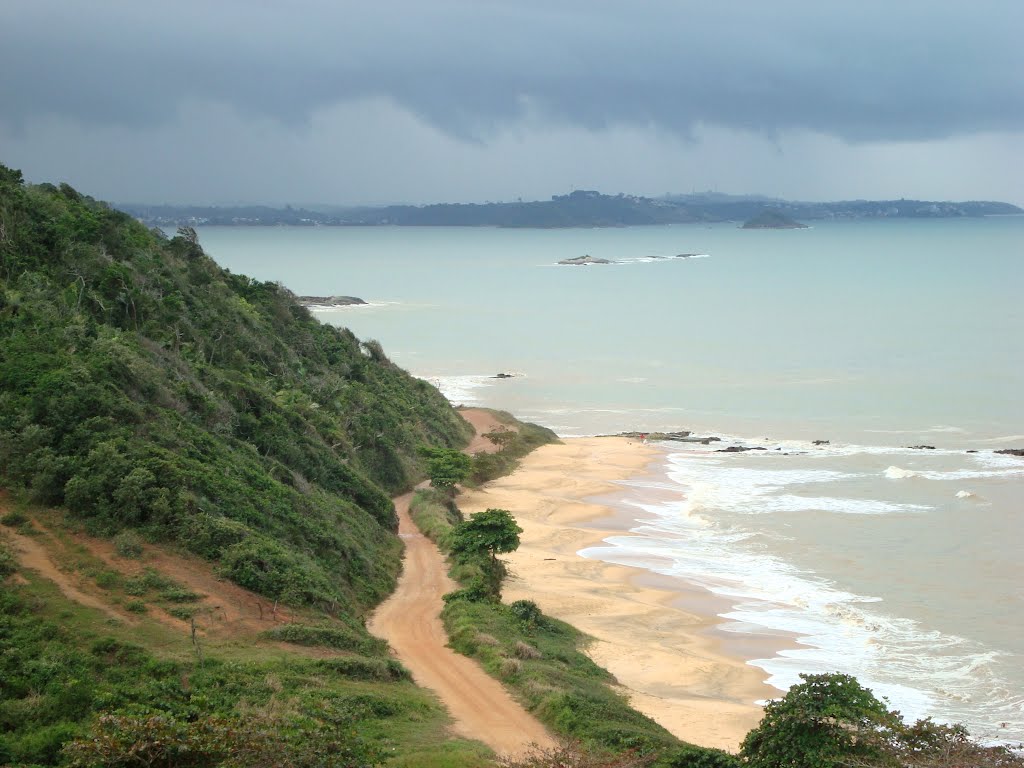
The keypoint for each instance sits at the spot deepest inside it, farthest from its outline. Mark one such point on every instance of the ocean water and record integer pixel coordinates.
(902, 566)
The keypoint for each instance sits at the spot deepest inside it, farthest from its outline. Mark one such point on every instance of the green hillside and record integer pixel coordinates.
(142, 386)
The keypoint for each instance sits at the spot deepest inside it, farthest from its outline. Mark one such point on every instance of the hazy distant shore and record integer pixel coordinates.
(655, 635)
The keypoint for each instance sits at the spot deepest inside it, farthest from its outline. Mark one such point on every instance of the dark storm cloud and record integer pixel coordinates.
(860, 71)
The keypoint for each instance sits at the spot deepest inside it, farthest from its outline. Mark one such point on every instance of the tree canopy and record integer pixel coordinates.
(492, 532)
(817, 723)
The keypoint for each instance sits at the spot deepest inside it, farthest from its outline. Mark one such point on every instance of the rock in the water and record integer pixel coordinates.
(820, 442)
(328, 301)
(921, 447)
(1011, 451)
(579, 261)
(503, 376)
(740, 449)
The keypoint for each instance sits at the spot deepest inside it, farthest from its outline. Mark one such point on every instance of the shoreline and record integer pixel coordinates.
(656, 634)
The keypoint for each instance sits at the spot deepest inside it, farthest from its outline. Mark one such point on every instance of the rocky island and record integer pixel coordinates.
(771, 219)
(580, 261)
(328, 301)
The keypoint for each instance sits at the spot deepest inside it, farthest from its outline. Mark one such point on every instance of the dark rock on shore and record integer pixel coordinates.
(656, 435)
(579, 261)
(328, 301)
(1011, 451)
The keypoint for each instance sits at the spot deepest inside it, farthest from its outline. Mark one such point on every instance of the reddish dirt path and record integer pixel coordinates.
(33, 555)
(410, 621)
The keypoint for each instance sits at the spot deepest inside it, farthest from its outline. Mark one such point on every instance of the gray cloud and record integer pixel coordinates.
(866, 71)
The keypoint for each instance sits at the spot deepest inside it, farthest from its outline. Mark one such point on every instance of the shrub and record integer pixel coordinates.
(511, 667)
(527, 612)
(14, 519)
(8, 562)
(526, 651)
(183, 612)
(136, 606)
(128, 544)
(334, 636)
(108, 579)
(361, 668)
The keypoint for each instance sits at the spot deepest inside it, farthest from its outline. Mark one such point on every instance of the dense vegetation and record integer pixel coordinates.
(142, 386)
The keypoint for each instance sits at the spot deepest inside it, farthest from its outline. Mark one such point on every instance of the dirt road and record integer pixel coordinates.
(410, 621)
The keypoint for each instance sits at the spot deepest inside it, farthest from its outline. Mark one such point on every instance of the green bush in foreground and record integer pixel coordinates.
(237, 742)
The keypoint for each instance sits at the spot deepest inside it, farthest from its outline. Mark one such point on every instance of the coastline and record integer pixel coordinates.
(655, 634)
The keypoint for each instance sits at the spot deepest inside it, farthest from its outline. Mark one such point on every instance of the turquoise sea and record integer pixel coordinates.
(903, 566)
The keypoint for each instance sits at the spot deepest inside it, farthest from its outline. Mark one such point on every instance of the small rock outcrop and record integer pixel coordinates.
(740, 449)
(820, 442)
(1011, 451)
(921, 447)
(328, 301)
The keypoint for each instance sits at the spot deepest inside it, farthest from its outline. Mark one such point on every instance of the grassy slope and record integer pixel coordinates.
(62, 661)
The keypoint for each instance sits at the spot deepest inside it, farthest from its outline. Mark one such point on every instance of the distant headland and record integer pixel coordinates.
(582, 208)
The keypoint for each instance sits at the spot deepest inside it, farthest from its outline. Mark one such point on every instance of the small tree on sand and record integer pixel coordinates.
(491, 532)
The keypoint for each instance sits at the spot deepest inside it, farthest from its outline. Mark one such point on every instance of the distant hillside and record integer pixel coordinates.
(581, 208)
(142, 386)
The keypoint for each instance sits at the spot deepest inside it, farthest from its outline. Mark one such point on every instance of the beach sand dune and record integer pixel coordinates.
(654, 634)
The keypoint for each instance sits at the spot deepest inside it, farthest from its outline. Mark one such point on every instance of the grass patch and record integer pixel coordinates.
(541, 662)
(327, 636)
(63, 663)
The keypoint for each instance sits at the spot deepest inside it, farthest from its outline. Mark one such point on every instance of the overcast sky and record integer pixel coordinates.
(443, 100)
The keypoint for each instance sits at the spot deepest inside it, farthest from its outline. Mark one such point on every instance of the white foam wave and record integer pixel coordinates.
(923, 672)
(716, 483)
(330, 309)
(899, 473)
(658, 259)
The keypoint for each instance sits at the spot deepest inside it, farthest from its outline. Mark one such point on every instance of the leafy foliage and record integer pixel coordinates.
(445, 467)
(491, 532)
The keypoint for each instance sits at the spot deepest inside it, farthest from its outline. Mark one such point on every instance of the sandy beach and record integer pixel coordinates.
(654, 634)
